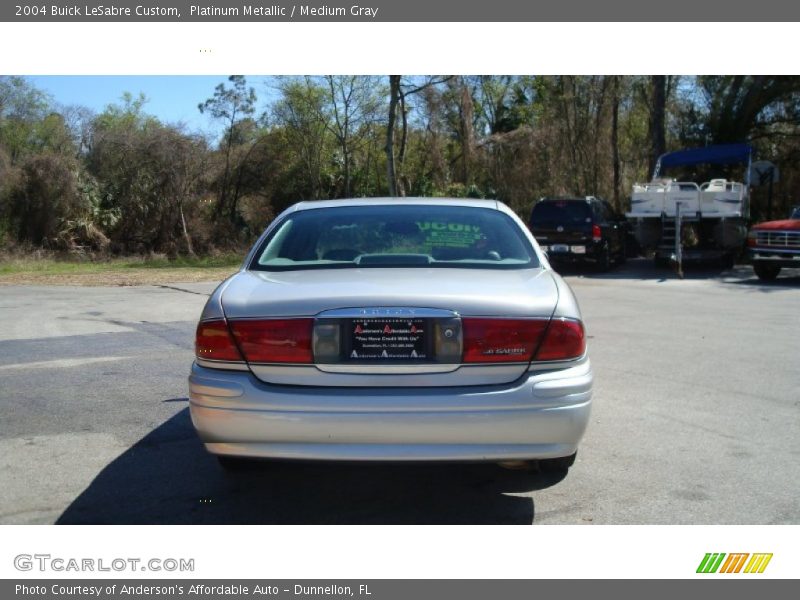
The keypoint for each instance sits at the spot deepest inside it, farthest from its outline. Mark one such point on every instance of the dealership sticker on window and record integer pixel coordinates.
(451, 235)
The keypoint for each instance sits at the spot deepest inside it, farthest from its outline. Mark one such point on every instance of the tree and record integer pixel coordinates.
(23, 108)
(46, 199)
(302, 116)
(70, 179)
(615, 103)
(658, 86)
(355, 104)
(231, 105)
(503, 102)
(394, 100)
(42, 182)
(466, 131)
(149, 174)
(741, 107)
(399, 92)
(184, 163)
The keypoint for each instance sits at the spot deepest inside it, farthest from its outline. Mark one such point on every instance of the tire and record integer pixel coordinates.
(659, 262)
(729, 261)
(519, 465)
(604, 260)
(632, 248)
(623, 254)
(766, 272)
(557, 465)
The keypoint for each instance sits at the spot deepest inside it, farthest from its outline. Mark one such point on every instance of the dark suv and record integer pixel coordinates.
(584, 230)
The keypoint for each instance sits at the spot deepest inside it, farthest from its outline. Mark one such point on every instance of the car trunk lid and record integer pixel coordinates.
(399, 327)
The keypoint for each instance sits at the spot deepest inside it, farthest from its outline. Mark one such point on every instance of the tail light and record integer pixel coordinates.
(486, 340)
(274, 340)
(565, 340)
(213, 341)
(501, 340)
(597, 233)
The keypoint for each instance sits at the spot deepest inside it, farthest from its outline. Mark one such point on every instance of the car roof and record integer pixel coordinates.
(570, 199)
(477, 203)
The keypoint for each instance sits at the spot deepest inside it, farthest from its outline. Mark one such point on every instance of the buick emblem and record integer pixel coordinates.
(559, 229)
(448, 333)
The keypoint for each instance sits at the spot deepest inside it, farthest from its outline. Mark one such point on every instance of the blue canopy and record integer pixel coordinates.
(725, 154)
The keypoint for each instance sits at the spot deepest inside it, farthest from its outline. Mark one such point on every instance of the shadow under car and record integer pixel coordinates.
(168, 478)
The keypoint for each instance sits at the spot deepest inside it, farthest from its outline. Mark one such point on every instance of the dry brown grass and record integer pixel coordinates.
(31, 270)
(124, 277)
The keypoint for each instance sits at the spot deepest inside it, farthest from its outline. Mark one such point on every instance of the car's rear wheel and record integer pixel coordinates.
(623, 254)
(728, 261)
(766, 272)
(557, 465)
(604, 259)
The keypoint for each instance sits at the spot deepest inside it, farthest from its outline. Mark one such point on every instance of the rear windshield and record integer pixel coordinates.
(395, 236)
(561, 212)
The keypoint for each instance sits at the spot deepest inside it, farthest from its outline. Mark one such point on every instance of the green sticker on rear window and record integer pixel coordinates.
(450, 235)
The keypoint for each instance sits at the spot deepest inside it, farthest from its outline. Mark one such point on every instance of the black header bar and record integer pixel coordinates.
(669, 13)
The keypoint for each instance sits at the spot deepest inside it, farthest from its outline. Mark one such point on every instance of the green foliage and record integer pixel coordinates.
(28, 125)
(459, 190)
(234, 107)
(302, 133)
(123, 182)
(739, 106)
(231, 104)
(144, 178)
(45, 199)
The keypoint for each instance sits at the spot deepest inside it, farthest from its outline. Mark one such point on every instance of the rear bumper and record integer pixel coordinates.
(586, 252)
(542, 415)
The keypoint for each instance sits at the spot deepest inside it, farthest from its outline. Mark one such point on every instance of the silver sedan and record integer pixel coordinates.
(393, 329)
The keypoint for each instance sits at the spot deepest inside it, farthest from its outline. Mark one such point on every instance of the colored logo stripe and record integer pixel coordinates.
(710, 562)
(733, 564)
(758, 563)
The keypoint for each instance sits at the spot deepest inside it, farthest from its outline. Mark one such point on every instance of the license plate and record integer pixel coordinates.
(388, 340)
(559, 248)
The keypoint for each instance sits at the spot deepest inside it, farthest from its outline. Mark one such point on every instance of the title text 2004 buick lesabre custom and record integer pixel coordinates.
(413, 329)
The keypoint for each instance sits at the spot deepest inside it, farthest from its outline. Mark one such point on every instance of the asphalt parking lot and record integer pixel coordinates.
(696, 417)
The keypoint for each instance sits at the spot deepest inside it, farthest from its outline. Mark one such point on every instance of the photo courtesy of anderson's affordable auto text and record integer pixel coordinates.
(188, 589)
(261, 303)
